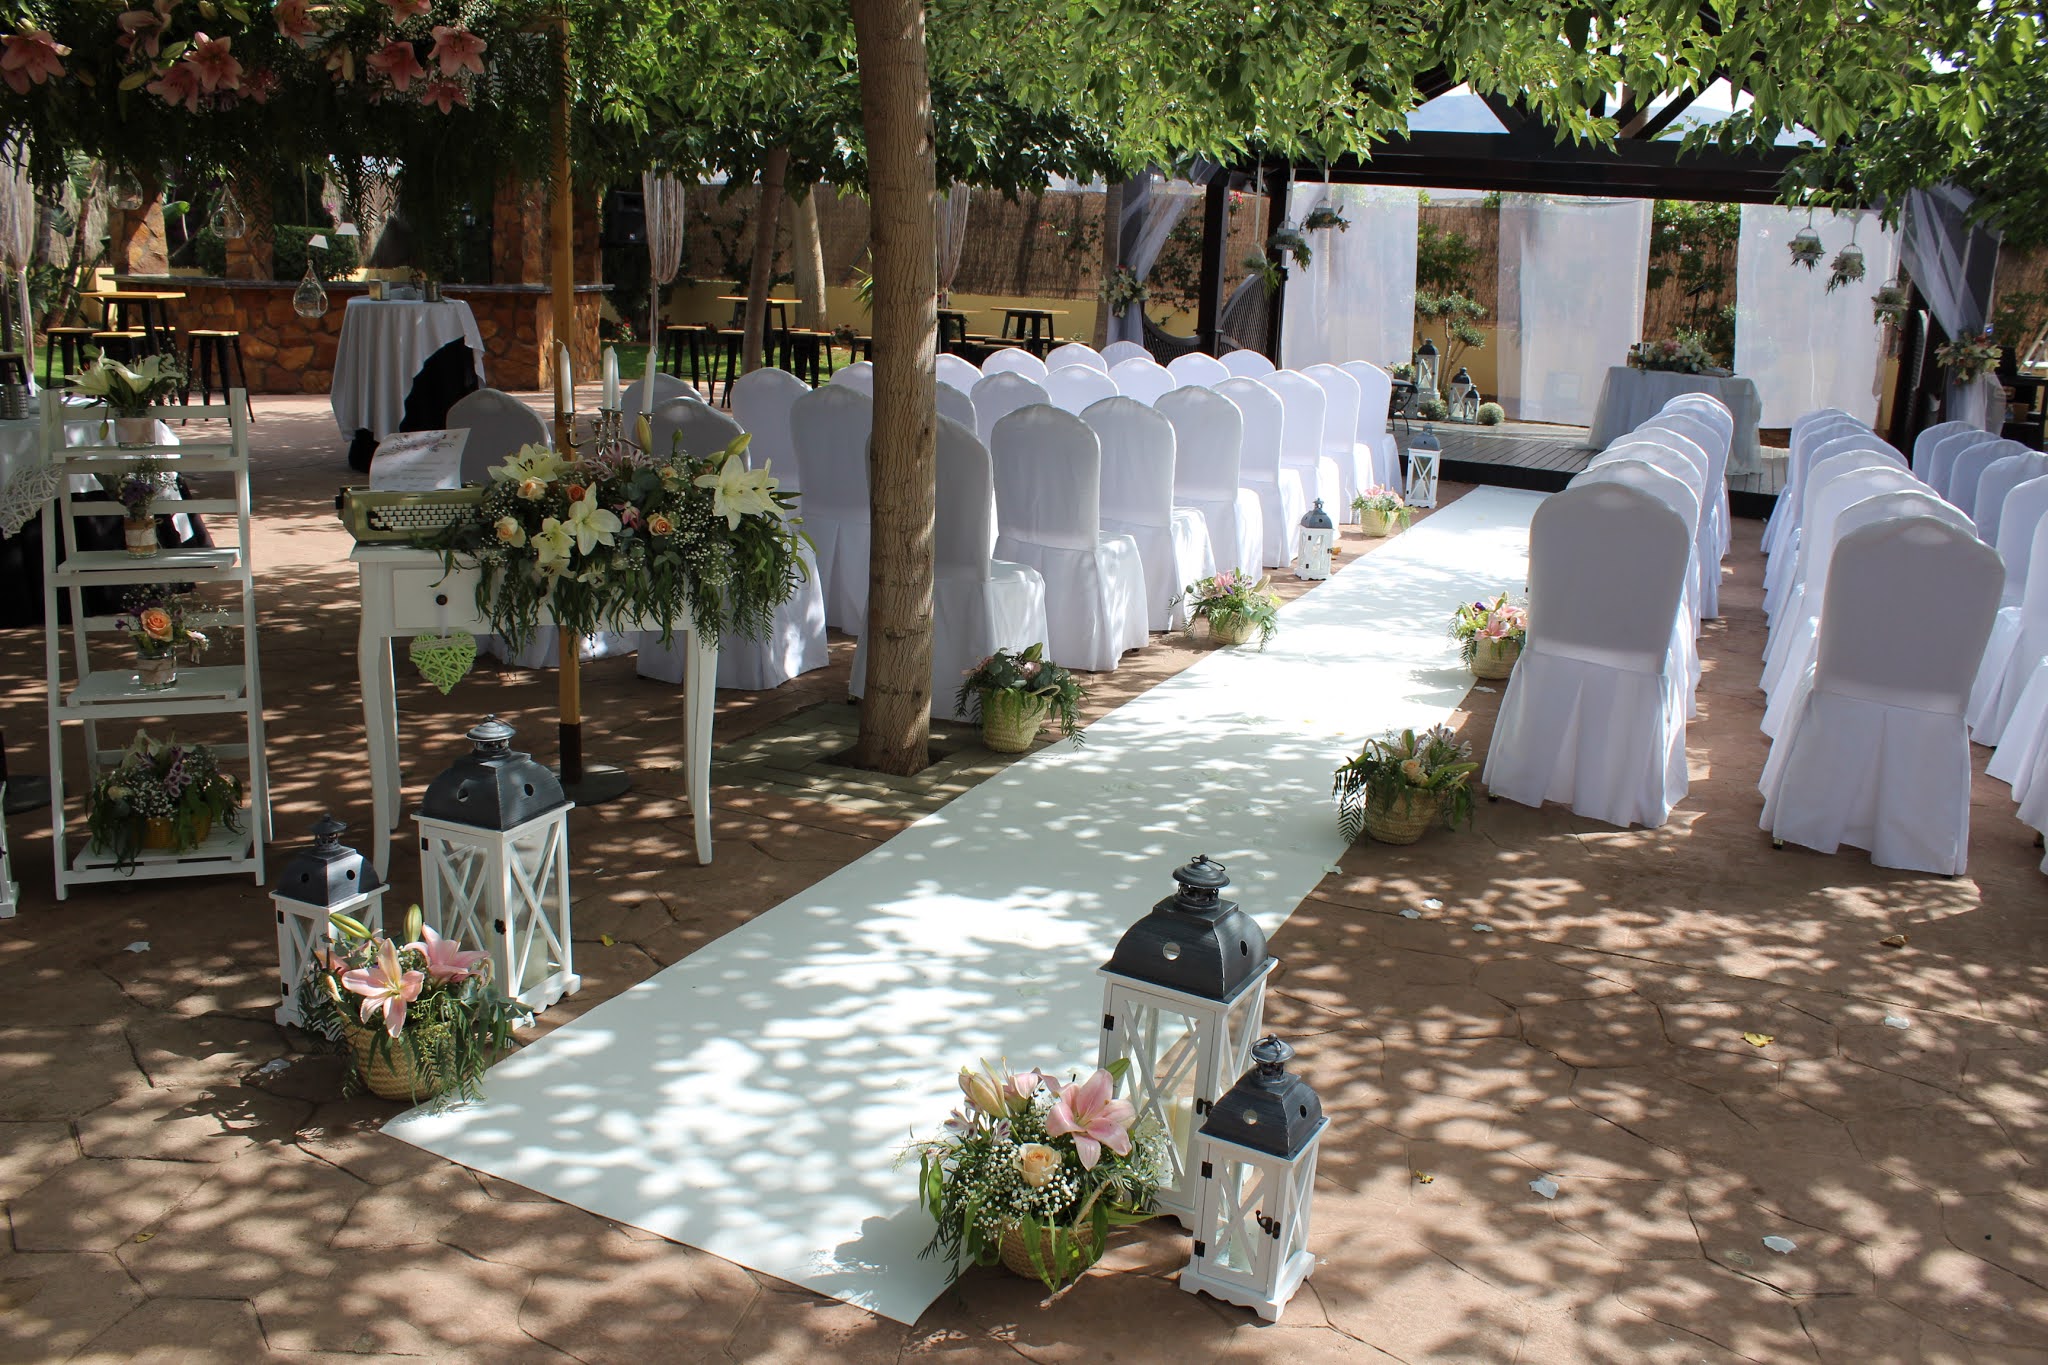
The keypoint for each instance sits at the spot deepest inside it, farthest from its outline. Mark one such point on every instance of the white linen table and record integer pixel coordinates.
(383, 344)
(1631, 397)
(408, 592)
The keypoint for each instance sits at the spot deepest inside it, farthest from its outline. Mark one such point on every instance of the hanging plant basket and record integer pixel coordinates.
(1010, 721)
(1495, 659)
(1017, 1249)
(1806, 248)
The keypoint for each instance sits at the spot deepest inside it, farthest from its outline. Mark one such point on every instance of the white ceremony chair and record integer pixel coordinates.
(1014, 360)
(1875, 753)
(958, 371)
(955, 403)
(830, 427)
(1995, 698)
(1927, 440)
(1207, 474)
(1668, 487)
(1048, 477)
(1996, 483)
(1697, 424)
(694, 428)
(1375, 401)
(1075, 353)
(1138, 459)
(1941, 465)
(1968, 470)
(1142, 378)
(2023, 511)
(1283, 501)
(978, 605)
(1782, 576)
(1246, 363)
(1823, 425)
(1341, 400)
(761, 402)
(1825, 443)
(859, 376)
(649, 392)
(1076, 388)
(1117, 352)
(1599, 722)
(999, 395)
(1663, 430)
(1301, 441)
(1687, 470)
(498, 424)
(1197, 367)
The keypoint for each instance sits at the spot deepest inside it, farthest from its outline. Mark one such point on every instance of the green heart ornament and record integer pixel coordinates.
(444, 660)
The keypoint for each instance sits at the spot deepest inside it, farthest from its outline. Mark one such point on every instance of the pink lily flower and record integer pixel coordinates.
(214, 63)
(457, 49)
(1021, 1087)
(179, 85)
(144, 28)
(398, 62)
(385, 987)
(1094, 1117)
(446, 960)
(31, 58)
(402, 10)
(444, 94)
(294, 20)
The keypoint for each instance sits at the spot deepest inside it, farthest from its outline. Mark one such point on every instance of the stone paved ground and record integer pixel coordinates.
(183, 1183)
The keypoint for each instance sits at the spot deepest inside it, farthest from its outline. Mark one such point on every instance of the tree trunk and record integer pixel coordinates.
(761, 277)
(809, 249)
(1112, 252)
(896, 114)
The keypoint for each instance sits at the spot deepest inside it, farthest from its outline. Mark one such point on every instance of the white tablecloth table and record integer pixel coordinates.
(383, 344)
(1631, 397)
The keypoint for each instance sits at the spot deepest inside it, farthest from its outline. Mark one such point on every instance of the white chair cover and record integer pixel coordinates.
(1686, 469)
(1375, 402)
(1197, 367)
(955, 403)
(1342, 399)
(1785, 513)
(1660, 482)
(498, 424)
(1927, 440)
(1968, 470)
(1117, 352)
(1941, 465)
(1995, 485)
(1683, 434)
(1076, 388)
(1246, 364)
(1875, 753)
(978, 606)
(1138, 458)
(1599, 721)
(694, 428)
(1996, 696)
(2022, 757)
(1048, 477)
(859, 376)
(1075, 353)
(761, 402)
(2024, 509)
(647, 393)
(1794, 564)
(1696, 423)
(958, 371)
(1207, 474)
(830, 428)
(1301, 440)
(1823, 444)
(996, 397)
(1014, 360)
(1282, 499)
(1142, 378)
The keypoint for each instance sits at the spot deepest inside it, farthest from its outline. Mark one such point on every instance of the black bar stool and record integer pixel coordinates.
(69, 342)
(206, 350)
(124, 346)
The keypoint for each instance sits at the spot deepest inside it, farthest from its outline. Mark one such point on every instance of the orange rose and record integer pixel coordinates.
(576, 492)
(660, 525)
(156, 623)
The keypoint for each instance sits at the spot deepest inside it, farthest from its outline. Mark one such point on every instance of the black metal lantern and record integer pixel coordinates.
(1426, 361)
(494, 786)
(1313, 541)
(317, 883)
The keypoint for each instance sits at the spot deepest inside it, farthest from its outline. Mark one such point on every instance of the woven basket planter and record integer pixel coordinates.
(1232, 630)
(1377, 524)
(390, 1075)
(1010, 721)
(1495, 659)
(1017, 1252)
(1405, 819)
(161, 833)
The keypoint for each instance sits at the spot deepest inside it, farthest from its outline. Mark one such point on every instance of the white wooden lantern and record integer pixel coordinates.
(1424, 452)
(494, 859)
(1183, 997)
(318, 883)
(1312, 543)
(1255, 1164)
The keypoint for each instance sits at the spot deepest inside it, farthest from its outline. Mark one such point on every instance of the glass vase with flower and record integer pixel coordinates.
(163, 626)
(130, 393)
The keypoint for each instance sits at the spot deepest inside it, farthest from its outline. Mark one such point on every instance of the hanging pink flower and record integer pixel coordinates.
(385, 988)
(214, 63)
(295, 20)
(457, 49)
(402, 10)
(177, 86)
(444, 94)
(398, 62)
(144, 28)
(31, 58)
(446, 959)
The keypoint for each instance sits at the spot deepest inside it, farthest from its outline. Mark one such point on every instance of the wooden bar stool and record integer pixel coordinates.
(206, 349)
(725, 355)
(674, 347)
(69, 342)
(803, 354)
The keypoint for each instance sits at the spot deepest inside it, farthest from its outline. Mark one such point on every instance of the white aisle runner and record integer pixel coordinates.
(751, 1099)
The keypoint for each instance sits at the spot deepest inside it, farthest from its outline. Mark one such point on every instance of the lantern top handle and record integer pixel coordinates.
(1201, 883)
(491, 736)
(1272, 1053)
(327, 830)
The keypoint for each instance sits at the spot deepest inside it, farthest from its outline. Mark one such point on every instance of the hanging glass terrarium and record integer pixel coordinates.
(309, 300)
(228, 221)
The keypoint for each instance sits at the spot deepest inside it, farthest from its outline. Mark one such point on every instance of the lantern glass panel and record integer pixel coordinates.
(1164, 1058)
(1242, 1191)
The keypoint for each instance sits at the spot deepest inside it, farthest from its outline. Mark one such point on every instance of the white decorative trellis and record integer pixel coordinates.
(507, 892)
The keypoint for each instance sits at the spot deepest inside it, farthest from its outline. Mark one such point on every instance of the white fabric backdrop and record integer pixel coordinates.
(1804, 347)
(1152, 207)
(1572, 278)
(1356, 299)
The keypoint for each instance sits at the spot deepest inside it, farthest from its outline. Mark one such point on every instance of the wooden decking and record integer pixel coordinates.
(1543, 457)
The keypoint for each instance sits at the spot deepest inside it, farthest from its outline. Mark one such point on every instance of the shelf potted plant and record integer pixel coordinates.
(161, 797)
(1492, 634)
(137, 488)
(417, 1019)
(1234, 604)
(1033, 1174)
(1382, 511)
(1015, 693)
(1402, 783)
(163, 626)
(130, 393)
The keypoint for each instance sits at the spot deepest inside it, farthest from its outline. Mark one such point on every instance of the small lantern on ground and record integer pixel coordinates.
(1255, 1163)
(1313, 542)
(1424, 452)
(494, 857)
(1183, 997)
(1464, 396)
(1425, 371)
(319, 882)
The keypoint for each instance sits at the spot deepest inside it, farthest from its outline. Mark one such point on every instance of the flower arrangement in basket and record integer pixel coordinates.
(1382, 510)
(1806, 248)
(1847, 267)
(1016, 692)
(1402, 783)
(162, 796)
(1120, 290)
(417, 1019)
(616, 540)
(1967, 358)
(1323, 216)
(1234, 604)
(1033, 1173)
(1492, 634)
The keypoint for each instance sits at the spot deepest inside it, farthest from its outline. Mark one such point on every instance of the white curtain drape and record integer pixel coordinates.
(1804, 347)
(17, 242)
(1954, 263)
(950, 214)
(1356, 298)
(1572, 279)
(662, 199)
(1152, 208)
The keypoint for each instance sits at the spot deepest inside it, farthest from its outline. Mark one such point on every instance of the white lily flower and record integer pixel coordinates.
(529, 462)
(737, 491)
(591, 524)
(551, 545)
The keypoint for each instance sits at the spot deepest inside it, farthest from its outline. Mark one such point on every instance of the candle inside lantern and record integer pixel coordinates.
(611, 378)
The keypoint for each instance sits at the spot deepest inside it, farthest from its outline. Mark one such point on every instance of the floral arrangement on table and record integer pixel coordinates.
(1234, 604)
(1846, 268)
(1685, 351)
(1015, 692)
(162, 795)
(1121, 289)
(1323, 216)
(130, 392)
(1381, 509)
(418, 1019)
(1967, 358)
(1034, 1173)
(1492, 635)
(1889, 304)
(1806, 248)
(1402, 783)
(616, 539)
(1492, 414)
